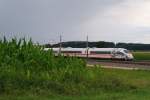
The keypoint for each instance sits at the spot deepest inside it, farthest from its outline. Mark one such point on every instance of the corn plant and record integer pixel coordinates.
(21, 58)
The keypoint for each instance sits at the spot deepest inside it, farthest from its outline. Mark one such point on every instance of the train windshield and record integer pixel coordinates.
(126, 51)
(119, 53)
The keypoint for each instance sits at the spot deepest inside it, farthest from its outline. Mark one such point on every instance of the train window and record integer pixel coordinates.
(126, 51)
(100, 52)
(71, 51)
(55, 51)
(119, 53)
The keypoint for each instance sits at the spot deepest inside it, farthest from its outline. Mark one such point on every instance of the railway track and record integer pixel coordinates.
(121, 64)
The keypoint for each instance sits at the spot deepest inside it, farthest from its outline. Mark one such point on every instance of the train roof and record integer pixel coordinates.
(91, 49)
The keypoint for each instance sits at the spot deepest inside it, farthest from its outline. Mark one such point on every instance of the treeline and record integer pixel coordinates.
(102, 44)
(134, 46)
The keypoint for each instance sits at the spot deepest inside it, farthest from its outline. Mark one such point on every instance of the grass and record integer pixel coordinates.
(29, 72)
(139, 81)
(141, 55)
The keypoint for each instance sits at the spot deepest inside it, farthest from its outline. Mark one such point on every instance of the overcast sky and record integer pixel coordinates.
(101, 20)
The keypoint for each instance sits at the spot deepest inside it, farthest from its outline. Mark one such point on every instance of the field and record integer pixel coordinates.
(142, 55)
(27, 72)
(138, 82)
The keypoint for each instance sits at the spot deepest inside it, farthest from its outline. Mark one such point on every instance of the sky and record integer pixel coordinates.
(102, 20)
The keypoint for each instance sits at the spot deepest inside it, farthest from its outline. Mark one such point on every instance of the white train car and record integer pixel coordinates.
(103, 53)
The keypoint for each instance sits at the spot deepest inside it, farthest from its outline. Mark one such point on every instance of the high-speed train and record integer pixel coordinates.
(103, 53)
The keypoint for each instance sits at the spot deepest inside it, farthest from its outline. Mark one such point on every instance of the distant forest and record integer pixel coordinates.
(102, 44)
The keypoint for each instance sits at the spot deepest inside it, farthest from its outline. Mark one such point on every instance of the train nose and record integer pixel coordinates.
(130, 56)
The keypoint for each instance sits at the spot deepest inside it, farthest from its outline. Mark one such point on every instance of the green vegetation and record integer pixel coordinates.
(29, 72)
(139, 82)
(26, 67)
(141, 55)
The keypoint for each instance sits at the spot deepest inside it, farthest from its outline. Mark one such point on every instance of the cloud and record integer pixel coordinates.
(45, 20)
(132, 12)
(126, 21)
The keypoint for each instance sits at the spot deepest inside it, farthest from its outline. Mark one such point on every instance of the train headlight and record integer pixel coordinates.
(130, 56)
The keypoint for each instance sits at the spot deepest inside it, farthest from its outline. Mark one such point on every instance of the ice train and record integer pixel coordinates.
(102, 53)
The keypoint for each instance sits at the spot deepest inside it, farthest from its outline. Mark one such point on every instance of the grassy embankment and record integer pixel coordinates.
(29, 73)
(142, 55)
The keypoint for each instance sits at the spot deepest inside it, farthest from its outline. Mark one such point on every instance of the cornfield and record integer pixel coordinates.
(21, 59)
